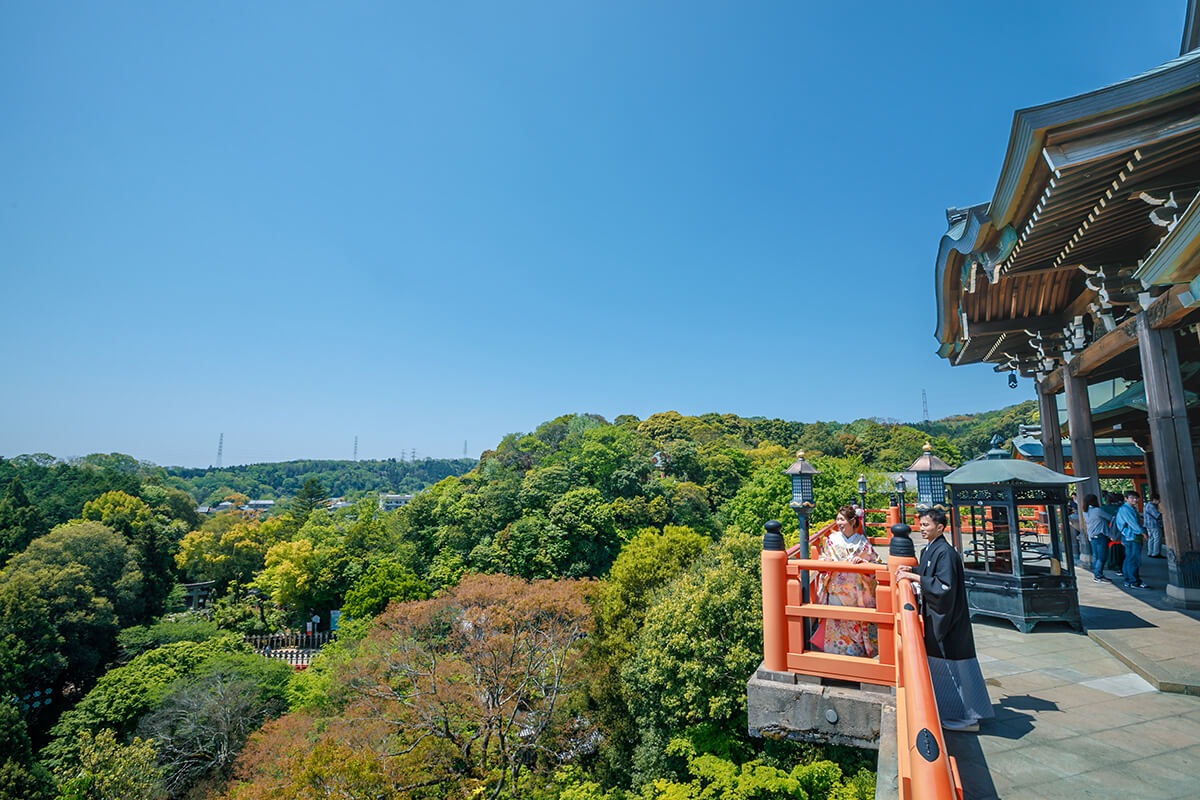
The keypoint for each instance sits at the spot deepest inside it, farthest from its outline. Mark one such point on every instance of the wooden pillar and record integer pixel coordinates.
(1083, 443)
(1174, 461)
(1052, 455)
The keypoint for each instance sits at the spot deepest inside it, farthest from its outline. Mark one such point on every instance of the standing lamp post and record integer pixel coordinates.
(901, 486)
(862, 493)
(931, 472)
(801, 472)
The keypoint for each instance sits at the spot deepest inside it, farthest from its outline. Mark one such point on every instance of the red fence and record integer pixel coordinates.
(925, 769)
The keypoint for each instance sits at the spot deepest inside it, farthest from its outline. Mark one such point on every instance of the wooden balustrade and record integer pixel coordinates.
(926, 771)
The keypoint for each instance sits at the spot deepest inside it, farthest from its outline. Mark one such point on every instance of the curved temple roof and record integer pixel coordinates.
(1062, 199)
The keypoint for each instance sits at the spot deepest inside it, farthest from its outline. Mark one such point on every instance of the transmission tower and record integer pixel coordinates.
(413, 455)
(925, 405)
(356, 448)
(464, 448)
(220, 449)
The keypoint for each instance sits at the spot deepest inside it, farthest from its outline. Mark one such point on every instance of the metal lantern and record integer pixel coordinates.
(931, 472)
(901, 487)
(862, 490)
(801, 473)
(1009, 523)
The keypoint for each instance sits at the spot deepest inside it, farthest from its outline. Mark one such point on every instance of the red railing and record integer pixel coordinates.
(926, 771)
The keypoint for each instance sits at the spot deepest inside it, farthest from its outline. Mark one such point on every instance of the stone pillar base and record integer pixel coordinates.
(1186, 597)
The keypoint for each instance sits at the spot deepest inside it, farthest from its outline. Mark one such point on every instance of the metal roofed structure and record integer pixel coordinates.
(1007, 471)
(1084, 267)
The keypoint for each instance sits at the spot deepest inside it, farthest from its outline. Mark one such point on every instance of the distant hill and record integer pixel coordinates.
(280, 480)
(972, 433)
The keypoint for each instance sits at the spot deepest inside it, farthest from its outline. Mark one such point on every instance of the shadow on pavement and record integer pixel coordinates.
(972, 765)
(1111, 619)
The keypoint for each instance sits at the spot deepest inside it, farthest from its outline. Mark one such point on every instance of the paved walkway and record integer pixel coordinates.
(1074, 720)
(1141, 628)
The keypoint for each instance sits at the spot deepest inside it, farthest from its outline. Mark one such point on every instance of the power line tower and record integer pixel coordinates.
(356, 448)
(220, 449)
(925, 405)
(464, 448)
(412, 456)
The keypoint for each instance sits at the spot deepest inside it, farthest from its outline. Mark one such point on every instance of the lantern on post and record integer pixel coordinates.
(931, 470)
(901, 487)
(801, 472)
(862, 491)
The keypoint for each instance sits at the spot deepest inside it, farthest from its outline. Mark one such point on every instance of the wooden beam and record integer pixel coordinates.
(1166, 311)
(1048, 322)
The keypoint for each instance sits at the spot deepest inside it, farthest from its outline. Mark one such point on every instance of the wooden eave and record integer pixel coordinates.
(1069, 189)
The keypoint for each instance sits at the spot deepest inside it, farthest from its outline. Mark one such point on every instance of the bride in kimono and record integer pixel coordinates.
(847, 543)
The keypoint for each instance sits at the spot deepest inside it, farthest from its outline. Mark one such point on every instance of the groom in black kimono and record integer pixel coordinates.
(962, 697)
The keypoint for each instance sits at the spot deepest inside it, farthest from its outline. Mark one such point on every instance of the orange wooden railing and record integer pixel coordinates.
(926, 771)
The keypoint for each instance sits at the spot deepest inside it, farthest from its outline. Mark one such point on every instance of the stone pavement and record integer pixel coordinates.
(1141, 627)
(1072, 719)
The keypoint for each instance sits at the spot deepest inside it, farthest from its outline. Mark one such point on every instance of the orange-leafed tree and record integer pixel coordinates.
(451, 697)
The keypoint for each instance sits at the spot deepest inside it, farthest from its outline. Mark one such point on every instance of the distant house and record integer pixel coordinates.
(337, 502)
(259, 505)
(224, 506)
(390, 502)
(205, 510)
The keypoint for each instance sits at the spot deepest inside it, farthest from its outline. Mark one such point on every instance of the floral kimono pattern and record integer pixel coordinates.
(848, 589)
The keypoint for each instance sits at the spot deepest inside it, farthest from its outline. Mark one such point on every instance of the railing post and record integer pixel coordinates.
(900, 552)
(774, 598)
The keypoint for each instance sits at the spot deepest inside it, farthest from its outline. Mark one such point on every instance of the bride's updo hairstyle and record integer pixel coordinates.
(849, 514)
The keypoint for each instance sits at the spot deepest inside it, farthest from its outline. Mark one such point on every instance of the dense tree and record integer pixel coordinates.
(203, 721)
(88, 578)
(31, 648)
(153, 536)
(190, 627)
(311, 495)
(277, 481)
(702, 636)
(21, 778)
(20, 520)
(228, 548)
(107, 769)
(647, 563)
(383, 583)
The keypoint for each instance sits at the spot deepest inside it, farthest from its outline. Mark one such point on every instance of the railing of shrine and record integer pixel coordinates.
(926, 771)
(294, 649)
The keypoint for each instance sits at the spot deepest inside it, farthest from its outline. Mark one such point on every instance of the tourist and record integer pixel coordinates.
(848, 543)
(1130, 527)
(1116, 550)
(962, 697)
(1152, 516)
(1097, 522)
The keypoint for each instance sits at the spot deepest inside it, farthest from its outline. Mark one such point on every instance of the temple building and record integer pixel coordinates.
(1084, 268)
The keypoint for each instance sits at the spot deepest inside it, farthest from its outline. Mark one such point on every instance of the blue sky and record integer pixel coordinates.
(424, 224)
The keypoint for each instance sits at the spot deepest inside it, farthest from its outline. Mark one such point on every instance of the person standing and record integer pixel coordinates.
(1096, 526)
(852, 589)
(1130, 528)
(1152, 516)
(962, 696)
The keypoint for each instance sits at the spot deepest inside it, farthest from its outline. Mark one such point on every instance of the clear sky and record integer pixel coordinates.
(429, 223)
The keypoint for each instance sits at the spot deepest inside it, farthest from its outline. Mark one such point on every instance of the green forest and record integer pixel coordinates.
(573, 617)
